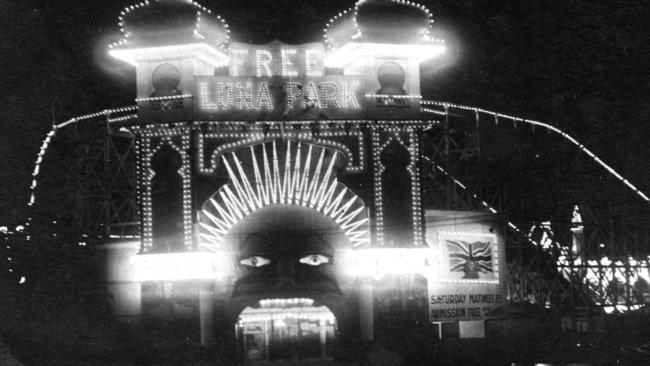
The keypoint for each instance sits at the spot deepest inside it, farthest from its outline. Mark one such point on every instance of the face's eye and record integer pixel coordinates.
(314, 259)
(255, 261)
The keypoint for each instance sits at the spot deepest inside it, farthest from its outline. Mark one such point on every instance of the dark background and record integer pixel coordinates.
(580, 65)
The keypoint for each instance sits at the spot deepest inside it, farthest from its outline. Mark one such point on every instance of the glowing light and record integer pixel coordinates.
(263, 60)
(314, 260)
(352, 13)
(169, 97)
(290, 302)
(177, 266)
(215, 94)
(255, 261)
(208, 266)
(393, 96)
(238, 58)
(354, 52)
(200, 13)
(576, 220)
(268, 184)
(311, 55)
(548, 127)
(202, 51)
(146, 174)
(50, 135)
(256, 133)
(279, 314)
(477, 198)
(279, 323)
(598, 275)
(288, 69)
(383, 261)
(22, 280)
(382, 134)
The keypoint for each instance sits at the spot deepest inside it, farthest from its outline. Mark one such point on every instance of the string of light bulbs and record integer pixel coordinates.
(146, 3)
(355, 10)
(43, 151)
(548, 127)
(52, 133)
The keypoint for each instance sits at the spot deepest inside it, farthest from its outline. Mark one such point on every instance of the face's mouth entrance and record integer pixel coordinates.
(286, 308)
(286, 328)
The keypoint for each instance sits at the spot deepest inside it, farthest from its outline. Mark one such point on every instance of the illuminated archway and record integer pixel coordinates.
(303, 175)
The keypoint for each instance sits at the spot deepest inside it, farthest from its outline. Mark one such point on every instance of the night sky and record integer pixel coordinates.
(581, 65)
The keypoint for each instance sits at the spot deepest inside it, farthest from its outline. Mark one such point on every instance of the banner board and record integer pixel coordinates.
(469, 283)
(277, 81)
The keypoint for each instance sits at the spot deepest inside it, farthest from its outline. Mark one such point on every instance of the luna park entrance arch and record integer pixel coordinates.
(287, 231)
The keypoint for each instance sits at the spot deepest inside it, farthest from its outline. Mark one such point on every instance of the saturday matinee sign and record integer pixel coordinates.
(464, 306)
(469, 284)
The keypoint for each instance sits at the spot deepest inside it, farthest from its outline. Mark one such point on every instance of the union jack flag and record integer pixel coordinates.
(471, 258)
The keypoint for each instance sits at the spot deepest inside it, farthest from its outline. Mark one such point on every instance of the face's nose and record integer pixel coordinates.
(286, 275)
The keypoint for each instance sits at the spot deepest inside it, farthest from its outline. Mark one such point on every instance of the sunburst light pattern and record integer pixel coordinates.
(264, 175)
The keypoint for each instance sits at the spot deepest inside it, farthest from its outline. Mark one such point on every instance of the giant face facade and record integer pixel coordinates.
(288, 252)
(284, 226)
(285, 263)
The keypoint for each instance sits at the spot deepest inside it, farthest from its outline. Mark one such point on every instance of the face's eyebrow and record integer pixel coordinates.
(314, 244)
(254, 244)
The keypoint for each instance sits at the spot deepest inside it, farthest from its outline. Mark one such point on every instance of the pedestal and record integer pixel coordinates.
(206, 312)
(366, 309)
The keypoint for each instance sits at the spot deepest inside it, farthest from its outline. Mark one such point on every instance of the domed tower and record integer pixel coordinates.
(384, 40)
(170, 42)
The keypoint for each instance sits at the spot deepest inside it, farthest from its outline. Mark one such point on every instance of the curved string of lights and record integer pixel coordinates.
(43, 151)
(547, 126)
(50, 135)
(200, 9)
(474, 195)
(266, 183)
(353, 12)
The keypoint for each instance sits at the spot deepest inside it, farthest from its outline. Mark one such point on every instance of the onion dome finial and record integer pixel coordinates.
(154, 23)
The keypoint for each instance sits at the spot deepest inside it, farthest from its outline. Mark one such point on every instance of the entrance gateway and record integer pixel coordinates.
(286, 328)
(279, 185)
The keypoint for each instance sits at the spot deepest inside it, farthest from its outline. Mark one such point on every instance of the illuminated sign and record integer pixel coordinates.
(278, 81)
(276, 59)
(276, 98)
(468, 283)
